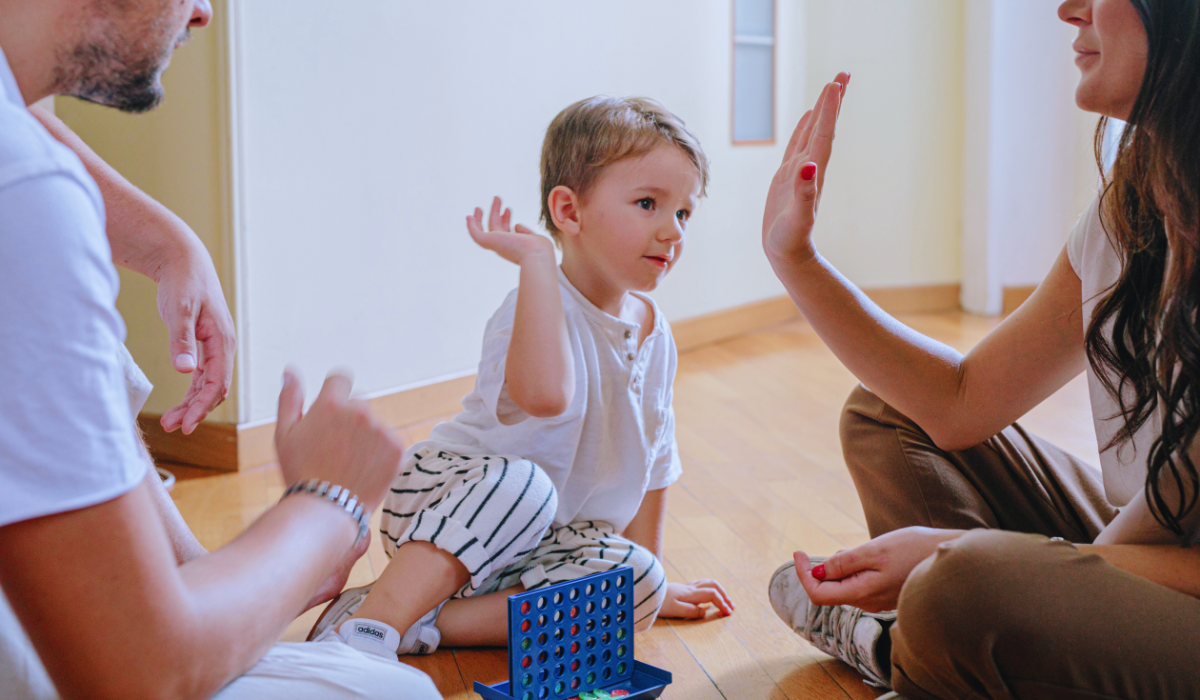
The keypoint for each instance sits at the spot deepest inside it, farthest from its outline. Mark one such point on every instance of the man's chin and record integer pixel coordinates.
(129, 103)
(133, 96)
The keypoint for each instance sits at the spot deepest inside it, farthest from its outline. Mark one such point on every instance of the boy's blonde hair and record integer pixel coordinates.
(600, 131)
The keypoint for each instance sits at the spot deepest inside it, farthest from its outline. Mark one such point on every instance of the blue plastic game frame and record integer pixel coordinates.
(575, 637)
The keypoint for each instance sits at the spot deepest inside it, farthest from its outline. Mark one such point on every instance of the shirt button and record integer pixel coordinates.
(628, 335)
(630, 357)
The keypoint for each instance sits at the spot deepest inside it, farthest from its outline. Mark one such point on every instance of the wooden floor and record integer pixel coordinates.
(763, 476)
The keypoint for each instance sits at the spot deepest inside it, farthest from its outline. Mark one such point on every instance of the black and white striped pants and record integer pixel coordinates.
(495, 514)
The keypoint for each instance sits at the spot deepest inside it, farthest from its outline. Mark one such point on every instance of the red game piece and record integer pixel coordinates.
(619, 693)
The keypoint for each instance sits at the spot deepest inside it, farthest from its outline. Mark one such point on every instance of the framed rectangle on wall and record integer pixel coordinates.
(753, 93)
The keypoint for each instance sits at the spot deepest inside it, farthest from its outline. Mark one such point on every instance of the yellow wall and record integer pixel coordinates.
(175, 154)
(891, 212)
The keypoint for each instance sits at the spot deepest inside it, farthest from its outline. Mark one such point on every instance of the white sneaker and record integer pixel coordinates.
(374, 636)
(842, 631)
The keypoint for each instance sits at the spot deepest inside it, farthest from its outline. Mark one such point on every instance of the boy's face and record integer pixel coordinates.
(632, 222)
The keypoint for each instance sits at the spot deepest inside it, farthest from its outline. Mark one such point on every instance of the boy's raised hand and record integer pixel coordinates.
(514, 245)
(795, 192)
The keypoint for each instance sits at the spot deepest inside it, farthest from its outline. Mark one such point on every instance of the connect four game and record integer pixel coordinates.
(575, 640)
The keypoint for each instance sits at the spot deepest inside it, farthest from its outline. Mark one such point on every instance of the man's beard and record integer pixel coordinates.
(98, 72)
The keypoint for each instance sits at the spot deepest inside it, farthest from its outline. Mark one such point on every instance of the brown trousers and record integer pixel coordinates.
(1005, 612)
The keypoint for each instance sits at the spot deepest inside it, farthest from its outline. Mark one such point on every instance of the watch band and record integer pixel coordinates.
(337, 495)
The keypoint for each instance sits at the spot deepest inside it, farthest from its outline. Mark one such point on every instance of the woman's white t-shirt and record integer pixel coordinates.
(616, 440)
(1098, 266)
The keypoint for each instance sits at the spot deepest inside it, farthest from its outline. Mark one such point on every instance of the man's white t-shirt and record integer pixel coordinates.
(616, 440)
(1098, 266)
(67, 437)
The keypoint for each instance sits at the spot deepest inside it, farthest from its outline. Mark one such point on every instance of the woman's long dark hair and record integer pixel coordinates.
(1150, 208)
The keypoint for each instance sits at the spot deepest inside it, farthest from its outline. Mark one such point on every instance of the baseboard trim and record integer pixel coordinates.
(211, 445)
(931, 298)
(691, 333)
(229, 447)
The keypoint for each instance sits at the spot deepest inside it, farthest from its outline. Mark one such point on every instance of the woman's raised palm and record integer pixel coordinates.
(795, 191)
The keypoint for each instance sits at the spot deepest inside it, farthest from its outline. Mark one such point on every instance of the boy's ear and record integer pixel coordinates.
(564, 210)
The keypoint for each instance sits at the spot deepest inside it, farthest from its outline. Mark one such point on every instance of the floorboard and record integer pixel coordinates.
(763, 476)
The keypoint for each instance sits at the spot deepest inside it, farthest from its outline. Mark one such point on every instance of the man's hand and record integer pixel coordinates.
(688, 601)
(338, 440)
(151, 240)
(514, 245)
(871, 575)
(203, 339)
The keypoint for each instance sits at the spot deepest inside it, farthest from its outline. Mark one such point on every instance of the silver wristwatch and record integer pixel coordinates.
(339, 496)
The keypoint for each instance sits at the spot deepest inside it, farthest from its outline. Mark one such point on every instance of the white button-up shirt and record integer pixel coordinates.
(616, 440)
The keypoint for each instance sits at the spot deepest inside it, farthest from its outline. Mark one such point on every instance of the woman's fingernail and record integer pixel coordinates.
(808, 172)
(818, 572)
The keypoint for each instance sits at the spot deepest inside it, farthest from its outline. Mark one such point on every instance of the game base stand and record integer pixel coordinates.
(574, 640)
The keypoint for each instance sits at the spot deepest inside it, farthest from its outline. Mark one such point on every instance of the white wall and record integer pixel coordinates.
(371, 129)
(1028, 169)
(368, 130)
(890, 215)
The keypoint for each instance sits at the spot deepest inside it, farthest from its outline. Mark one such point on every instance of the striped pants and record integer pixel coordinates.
(495, 514)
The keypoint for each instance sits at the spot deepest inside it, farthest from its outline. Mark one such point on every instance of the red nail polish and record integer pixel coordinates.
(818, 572)
(808, 172)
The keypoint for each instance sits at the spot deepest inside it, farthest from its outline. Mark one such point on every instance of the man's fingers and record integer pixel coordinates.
(181, 323)
(336, 388)
(215, 388)
(291, 404)
(506, 220)
(173, 419)
(522, 228)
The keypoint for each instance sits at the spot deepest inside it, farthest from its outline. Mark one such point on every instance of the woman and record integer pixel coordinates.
(1000, 566)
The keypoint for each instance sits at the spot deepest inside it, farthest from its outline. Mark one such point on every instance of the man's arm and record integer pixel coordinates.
(148, 238)
(117, 618)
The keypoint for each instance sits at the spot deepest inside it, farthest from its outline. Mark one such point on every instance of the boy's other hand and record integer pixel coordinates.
(338, 440)
(795, 192)
(514, 245)
(686, 601)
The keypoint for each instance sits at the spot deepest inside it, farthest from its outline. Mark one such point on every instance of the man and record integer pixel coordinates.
(84, 559)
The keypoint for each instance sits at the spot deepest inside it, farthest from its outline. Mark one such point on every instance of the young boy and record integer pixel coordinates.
(558, 465)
